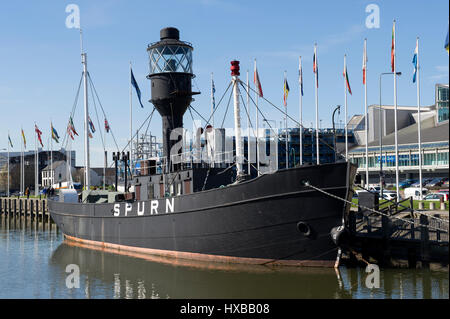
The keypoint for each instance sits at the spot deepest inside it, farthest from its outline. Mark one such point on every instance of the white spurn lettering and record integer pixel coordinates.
(140, 211)
(154, 207)
(128, 208)
(116, 210)
(169, 205)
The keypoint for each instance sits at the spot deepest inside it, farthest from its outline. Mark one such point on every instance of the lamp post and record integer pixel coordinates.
(381, 135)
(338, 108)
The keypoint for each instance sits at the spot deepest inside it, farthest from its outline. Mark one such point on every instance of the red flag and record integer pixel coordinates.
(38, 132)
(393, 48)
(107, 128)
(364, 66)
(257, 82)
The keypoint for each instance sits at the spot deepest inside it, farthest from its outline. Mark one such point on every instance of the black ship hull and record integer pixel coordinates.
(273, 219)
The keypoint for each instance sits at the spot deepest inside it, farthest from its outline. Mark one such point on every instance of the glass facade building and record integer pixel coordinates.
(442, 102)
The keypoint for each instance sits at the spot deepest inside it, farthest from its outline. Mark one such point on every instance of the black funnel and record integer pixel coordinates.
(171, 75)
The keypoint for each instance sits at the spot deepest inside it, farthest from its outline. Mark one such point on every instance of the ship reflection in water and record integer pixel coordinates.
(34, 260)
(108, 275)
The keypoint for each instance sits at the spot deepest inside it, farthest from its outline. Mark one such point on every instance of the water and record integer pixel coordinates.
(33, 264)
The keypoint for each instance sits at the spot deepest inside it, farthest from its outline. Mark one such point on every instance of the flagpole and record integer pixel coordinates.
(285, 122)
(419, 121)
(365, 112)
(7, 191)
(36, 187)
(213, 149)
(212, 99)
(301, 110)
(345, 110)
(395, 118)
(51, 158)
(21, 166)
(257, 128)
(131, 123)
(86, 127)
(317, 106)
(248, 127)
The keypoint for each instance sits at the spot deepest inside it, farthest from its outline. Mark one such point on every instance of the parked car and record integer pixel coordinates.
(435, 182)
(390, 195)
(433, 197)
(445, 194)
(374, 189)
(414, 192)
(406, 183)
(424, 182)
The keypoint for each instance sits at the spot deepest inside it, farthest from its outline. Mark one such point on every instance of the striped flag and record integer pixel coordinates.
(316, 67)
(364, 65)
(415, 61)
(55, 135)
(347, 82)
(285, 91)
(213, 90)
(10, 143)
(39, 133)
(257, 82)
(91, 125)
(72, 127)
(300, 75)
(393, 48)
(24, 139)
(70, 132)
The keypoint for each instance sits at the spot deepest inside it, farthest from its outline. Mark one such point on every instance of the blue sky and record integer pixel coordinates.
(40, 58)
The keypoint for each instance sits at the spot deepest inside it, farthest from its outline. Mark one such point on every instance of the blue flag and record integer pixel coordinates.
(213, 91)
(136, 86)
(414, 62)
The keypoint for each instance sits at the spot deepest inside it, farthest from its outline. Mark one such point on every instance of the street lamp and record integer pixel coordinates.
(381, 136)
(338, 109)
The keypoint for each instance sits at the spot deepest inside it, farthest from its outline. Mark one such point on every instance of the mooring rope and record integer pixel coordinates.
(306, 183)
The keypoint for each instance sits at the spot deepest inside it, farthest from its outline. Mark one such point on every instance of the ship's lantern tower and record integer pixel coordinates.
(171, 75)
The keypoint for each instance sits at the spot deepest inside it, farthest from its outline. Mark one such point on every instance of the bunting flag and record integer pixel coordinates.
(72, 127)
(414, 62)
(285, 91)
(107, 128)
(39, 133)
(70, 132)
(213, 90)
(347, 82)
(10, 143)
(393, 49)
(364, 65)
(300, 75)
(134, 83)
(24, 139)
(91, 125)
(316, 67)
(55, 135)
(257, 82)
